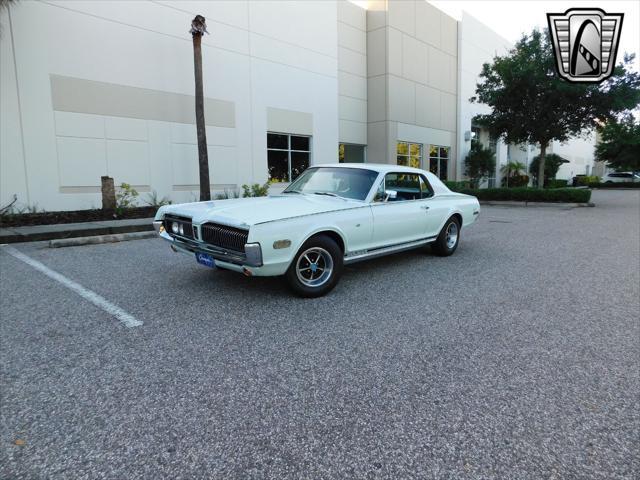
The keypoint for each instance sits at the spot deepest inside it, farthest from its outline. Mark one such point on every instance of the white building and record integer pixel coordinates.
(92, 88)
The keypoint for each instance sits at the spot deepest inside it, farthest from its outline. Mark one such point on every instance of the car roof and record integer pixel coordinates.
(376, 167)
(436, 184)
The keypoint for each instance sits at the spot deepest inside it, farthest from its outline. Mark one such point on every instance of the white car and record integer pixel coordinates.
(331, 215)
(621, 177)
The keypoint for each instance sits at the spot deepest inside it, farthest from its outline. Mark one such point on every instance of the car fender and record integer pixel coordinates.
(293, 233)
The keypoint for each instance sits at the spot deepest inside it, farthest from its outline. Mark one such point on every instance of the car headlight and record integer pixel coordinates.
(175, 227)
(181, 229)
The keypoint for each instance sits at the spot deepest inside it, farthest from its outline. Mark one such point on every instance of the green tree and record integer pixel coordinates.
(619, 144)
(531, 103)
(552, 163)
(480, 163)
(199, 28)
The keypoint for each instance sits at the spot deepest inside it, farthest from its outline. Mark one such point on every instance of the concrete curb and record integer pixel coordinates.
(119, 237)
(505, 203)
(39, 233)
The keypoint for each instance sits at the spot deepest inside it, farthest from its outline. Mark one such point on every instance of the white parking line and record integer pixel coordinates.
(124, 317)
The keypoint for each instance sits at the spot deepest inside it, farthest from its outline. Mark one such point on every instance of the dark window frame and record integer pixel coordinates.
(383, 184)
(289, 151)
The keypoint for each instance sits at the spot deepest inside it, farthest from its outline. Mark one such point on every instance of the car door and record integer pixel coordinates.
(437, 208)
(399, 218)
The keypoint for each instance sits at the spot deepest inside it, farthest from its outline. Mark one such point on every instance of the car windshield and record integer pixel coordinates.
(354, 183)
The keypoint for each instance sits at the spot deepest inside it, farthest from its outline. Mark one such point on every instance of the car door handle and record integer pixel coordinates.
(424, 207)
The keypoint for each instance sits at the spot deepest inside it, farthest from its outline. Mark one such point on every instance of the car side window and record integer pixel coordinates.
(406, 186)
(425, 189)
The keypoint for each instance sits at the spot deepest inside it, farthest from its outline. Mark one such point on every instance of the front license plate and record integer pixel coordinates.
(205, 259)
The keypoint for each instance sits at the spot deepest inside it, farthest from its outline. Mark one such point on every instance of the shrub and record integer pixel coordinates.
(557, 183)
(126, 197)
(614, 185)
(559, 195)
(228, 194)
(255, 190)
(457, 186)
(479, 164)
(584, 180)
(153, 200)
(515, 181)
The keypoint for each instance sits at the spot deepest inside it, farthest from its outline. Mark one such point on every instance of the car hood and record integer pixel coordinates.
(244, 212)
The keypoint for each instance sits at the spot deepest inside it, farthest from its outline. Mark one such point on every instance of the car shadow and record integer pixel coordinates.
(226, 281)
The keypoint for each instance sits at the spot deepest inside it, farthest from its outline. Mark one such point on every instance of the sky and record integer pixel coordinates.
(511, 18)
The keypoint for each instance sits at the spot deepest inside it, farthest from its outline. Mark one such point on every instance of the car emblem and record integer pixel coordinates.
(585, 43)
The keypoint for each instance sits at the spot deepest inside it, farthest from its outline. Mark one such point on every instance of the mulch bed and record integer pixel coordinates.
(76, 216)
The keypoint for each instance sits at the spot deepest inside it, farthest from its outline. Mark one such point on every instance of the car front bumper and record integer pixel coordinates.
(249, 263)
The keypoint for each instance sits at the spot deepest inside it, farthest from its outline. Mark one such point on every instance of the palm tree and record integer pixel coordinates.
(512, 168)
(199, 28)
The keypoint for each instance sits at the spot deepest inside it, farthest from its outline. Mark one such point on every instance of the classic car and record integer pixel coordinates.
(330, 216)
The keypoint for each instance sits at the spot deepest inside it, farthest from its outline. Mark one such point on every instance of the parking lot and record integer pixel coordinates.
(517, 357)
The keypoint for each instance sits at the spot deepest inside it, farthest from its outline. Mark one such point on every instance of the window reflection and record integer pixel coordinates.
(287, 156)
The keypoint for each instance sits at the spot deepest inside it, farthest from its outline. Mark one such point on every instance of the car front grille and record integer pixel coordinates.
(184, 221)
(224, 236)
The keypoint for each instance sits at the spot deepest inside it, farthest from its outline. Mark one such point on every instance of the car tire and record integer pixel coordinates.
(309, 281)
(448, 239)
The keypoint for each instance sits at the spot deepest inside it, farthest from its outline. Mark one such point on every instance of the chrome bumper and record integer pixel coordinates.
(252, 256)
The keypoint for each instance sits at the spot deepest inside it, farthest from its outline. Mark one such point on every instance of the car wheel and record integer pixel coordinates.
(316, 268)
(448, 239)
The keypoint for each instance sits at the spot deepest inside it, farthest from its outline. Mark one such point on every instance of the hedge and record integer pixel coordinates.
(559, 195)
(457, 186)
(614, 185)
(556, 183)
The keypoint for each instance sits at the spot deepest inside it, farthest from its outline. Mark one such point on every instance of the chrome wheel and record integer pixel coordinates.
(452, 235)
(314, 267)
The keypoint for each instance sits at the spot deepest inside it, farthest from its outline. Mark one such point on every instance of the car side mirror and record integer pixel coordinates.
(390, 195)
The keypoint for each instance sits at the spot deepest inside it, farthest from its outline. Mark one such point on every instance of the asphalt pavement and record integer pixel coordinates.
(516, 358)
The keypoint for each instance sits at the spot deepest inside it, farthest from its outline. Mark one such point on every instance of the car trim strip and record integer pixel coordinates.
(386, 250)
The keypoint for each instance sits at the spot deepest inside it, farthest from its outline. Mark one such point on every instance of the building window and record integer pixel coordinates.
(287, 156)
(438, 161)
(493, 144)
(475, 136)
(351, 153)
(409, 154)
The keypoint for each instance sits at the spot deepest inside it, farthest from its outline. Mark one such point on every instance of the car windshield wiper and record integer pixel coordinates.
(328, 194)
(292, 191)
(331, 194)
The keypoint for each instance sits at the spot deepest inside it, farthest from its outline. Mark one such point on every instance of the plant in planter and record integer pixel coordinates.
(126, 197)
(153, 200)
(255, 190)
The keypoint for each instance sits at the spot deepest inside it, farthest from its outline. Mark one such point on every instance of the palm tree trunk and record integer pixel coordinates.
(203, 156)
(543, 152)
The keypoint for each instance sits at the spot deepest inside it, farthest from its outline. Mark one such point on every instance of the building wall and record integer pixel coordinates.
(106, 90)
(256, 58)
(412, 79)
(478, 44)
(580, 153)
(352, 73)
